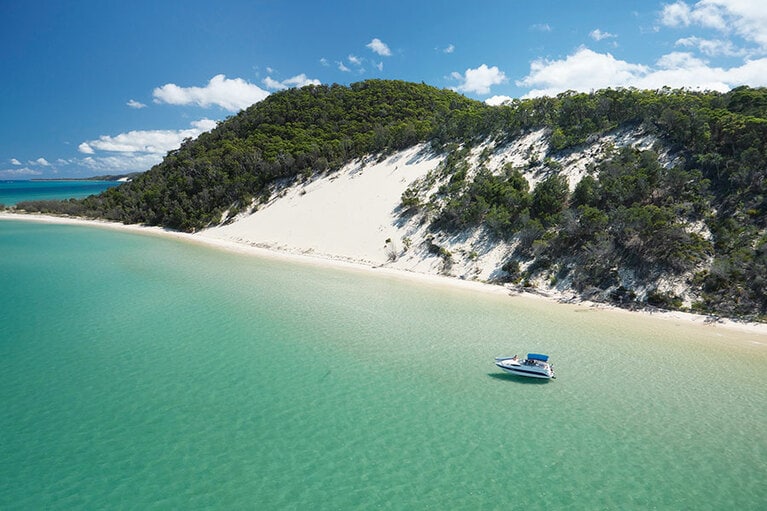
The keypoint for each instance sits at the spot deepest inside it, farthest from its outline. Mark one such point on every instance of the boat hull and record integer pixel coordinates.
(527, 374)
(526, 371)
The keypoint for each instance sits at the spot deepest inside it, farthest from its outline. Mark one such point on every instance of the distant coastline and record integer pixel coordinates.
(116, 177)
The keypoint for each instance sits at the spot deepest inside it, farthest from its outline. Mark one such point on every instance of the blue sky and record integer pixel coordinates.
(106, 87)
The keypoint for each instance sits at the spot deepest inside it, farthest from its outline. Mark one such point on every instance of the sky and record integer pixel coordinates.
(96, 87)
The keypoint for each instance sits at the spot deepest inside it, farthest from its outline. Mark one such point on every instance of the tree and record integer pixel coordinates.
(549, 199)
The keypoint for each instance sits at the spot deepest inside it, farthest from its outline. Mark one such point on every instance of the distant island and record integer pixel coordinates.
(107, 177)
(633, 197)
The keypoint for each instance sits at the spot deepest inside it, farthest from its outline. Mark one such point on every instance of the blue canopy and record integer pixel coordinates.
(537, 356)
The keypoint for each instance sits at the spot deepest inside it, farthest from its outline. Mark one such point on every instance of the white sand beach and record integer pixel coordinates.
(346, 215)
(350, 218)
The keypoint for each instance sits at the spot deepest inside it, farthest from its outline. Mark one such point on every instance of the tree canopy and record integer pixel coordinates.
(630, 211)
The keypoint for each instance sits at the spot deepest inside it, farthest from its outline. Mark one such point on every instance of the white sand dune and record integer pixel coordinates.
(352, 217)
(348, 214)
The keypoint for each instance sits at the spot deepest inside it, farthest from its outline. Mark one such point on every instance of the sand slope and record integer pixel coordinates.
(348, 214)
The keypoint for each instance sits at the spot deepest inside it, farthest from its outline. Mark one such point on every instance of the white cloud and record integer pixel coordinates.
(354, 60)
(586, 70)
(712, 47)
(479, 80)
(598, 35)
(679, 60)
(230, 94)
(379, 66)
(41, 161)
(498, 100)
(705, 13)
(146, 141)
(127, 162)
(342, 67)
(324, 62)
(85, 148)
(745, 18)
(19, 173)
(676, 14)
(583, 71)
(450, 49)
(271, 83)
(135, 104)
(296, 81)
(379, 47)
(752, 72)
(14, 161)
(137, 150)
(541, 27)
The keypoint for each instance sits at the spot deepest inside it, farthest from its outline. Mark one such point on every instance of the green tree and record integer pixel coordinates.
(549, 199)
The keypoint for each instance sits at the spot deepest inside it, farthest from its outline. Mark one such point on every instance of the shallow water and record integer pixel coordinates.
(142, 372)
(13, 192)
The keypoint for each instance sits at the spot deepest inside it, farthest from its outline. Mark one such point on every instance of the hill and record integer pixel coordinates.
(637, 197)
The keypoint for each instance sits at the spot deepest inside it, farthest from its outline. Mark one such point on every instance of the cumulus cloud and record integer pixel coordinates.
(135, 104)
(137, 150)
(229, 94)
(271, 83)
(354, 61)
(498, 100)
(586, 70)
(712, 47)
(14, 161)
(17, 173)
(119, 163)
(676, 14)
(379, 47)
(733, 28)
(709, 14)
(479, 80)
(295, 81)
(598, 35)
(85, 148)
(146, 141)
(747, 19)
(449, 49)
(42, 162)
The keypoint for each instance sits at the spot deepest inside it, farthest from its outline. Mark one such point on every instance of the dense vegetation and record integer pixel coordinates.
(288, 135)
(702, 218)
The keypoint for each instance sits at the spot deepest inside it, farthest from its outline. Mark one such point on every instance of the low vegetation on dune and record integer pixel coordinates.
(668, 207)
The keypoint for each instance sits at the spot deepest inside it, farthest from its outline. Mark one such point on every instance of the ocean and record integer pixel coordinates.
(13, 192)
(143, 372)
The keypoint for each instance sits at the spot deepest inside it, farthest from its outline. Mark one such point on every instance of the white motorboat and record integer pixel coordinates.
(534, 366)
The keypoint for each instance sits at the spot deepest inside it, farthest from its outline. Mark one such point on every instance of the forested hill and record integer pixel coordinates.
(290, 133)
(689, 209)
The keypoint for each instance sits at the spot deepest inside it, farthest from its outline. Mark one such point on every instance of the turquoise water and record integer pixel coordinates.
(13, 192)
(139, 372)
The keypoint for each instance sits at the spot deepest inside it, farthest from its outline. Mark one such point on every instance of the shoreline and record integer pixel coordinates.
(323, 260)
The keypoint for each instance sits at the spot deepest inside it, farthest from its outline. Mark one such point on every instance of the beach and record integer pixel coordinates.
(350, 219)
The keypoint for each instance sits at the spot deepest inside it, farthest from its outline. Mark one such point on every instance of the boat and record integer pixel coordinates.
(535, 365)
